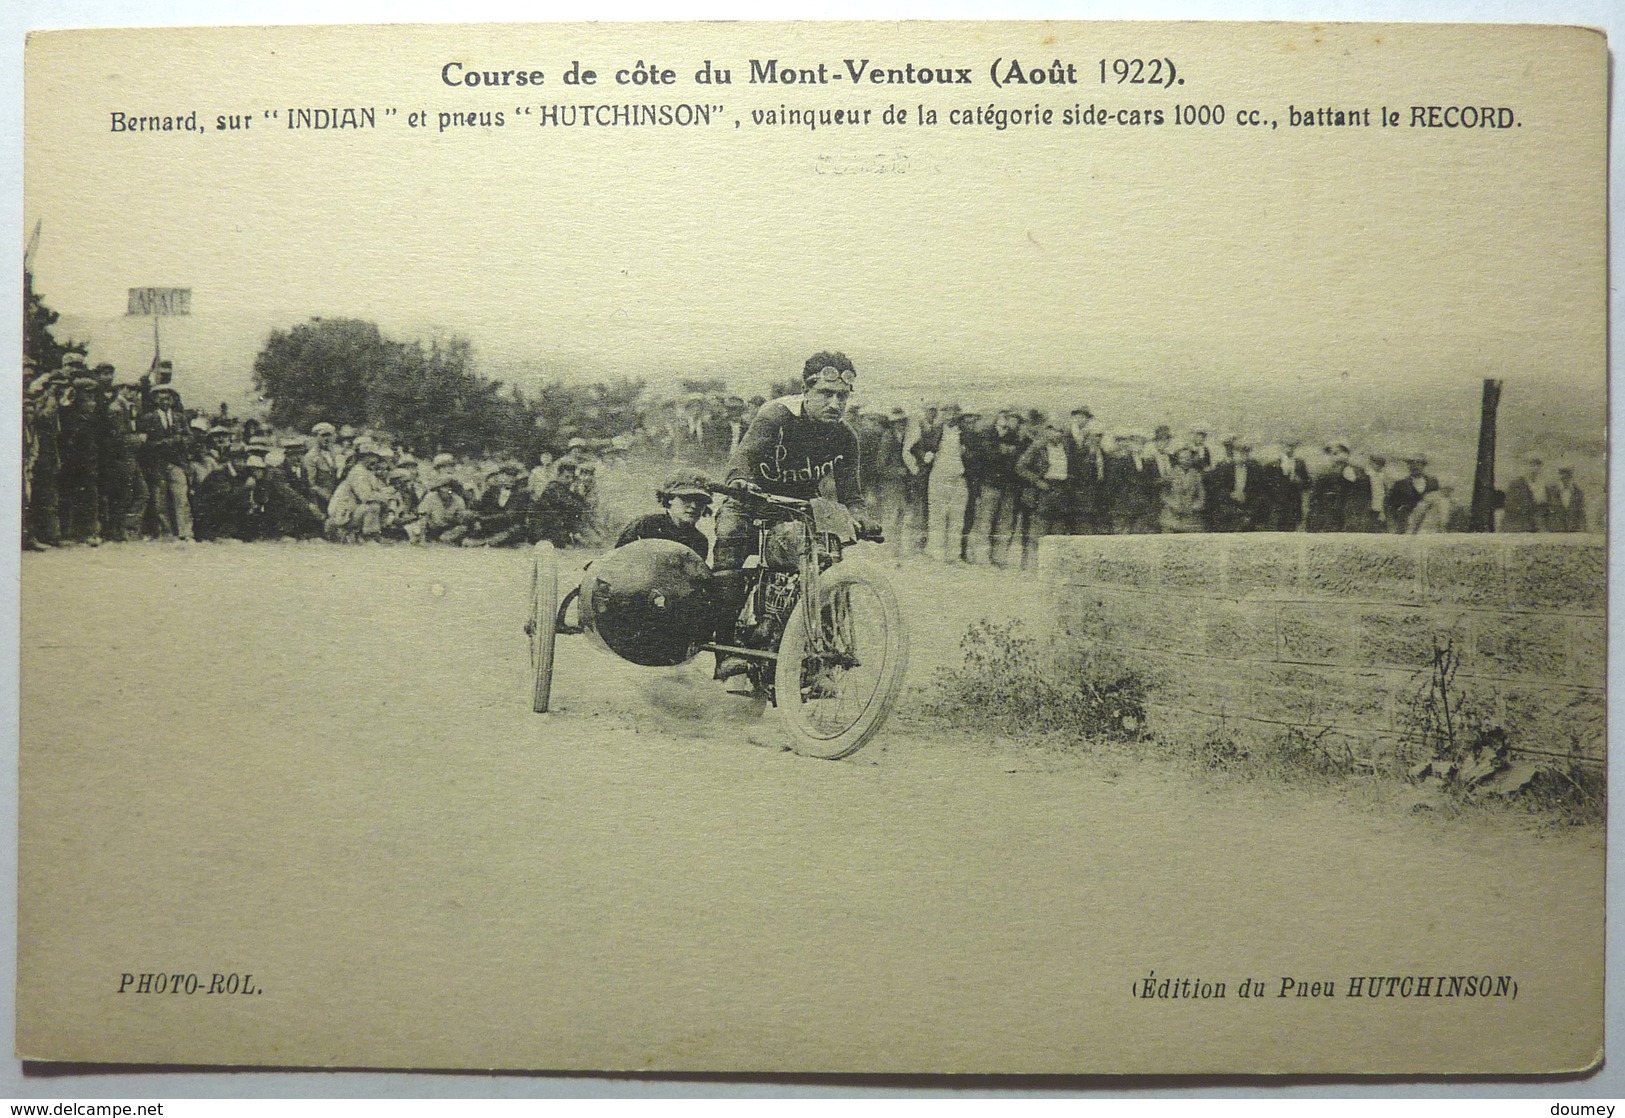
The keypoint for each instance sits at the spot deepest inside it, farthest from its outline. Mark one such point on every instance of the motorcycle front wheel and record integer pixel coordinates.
(836, 689)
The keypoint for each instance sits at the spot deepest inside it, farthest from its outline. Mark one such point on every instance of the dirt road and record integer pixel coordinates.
(318, 765)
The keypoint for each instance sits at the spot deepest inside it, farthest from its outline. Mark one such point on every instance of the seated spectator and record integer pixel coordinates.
(443, 511)
(502, 514)
(683, 500)
(362, 499)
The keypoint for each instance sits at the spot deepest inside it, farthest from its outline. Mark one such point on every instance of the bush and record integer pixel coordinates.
(1009, 683)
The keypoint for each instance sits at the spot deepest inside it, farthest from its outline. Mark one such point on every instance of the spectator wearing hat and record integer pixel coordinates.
(1183, 497)
(1377, 468)
(167, 449)
(42, 460)
(357, 509)
(999, 492)
(948, 495)
(444, 511)
(1285, 484)
(1086, 455)
(1161, 453)
(921, 436)
(1201, 453)
(323, 462)
(886, 478)
(203, 458)
(1046, 467)
(502, 516)
(1525, 509)
(1407, 493)
(80, 484)
(1231, 485)
(160, 375)
(1340, 498)
(216, 502)
(684, 499)
(1565, 503)
(1133, 486)
(267, 507)
(124, 485)
(103, 375)
(1434, 512)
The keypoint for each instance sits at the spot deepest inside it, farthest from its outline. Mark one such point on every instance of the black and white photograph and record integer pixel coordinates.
(922, 548)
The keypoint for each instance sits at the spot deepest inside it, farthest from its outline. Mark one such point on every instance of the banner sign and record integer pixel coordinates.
(160, 300)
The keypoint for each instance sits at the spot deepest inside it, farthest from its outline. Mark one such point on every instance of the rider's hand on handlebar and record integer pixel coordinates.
(868, 530)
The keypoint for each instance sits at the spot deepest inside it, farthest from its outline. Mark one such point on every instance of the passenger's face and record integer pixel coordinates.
(686, 510)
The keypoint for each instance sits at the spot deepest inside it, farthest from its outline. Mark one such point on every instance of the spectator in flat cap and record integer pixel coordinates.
(355, 514)
(444, 510)
(80, 476)
(124, 487)
(1565, 503)
(1525, 509)
(501, 518)
(1183, 497)
(1286, 489)
(1232, 489)
(1340, 498)
(323, 463)
(1407, 493)
(167, 449)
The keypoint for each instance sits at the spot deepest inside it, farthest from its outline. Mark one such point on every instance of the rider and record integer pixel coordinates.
(797, 446)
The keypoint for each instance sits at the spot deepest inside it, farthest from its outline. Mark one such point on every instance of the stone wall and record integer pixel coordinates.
(1267, 633)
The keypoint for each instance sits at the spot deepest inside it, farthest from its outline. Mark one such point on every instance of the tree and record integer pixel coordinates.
(321, 370)
(39, 344)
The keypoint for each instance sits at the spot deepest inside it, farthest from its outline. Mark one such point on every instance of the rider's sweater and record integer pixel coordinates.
(789, 454)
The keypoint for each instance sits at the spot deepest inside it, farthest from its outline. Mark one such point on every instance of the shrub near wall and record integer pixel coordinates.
(1268, 633)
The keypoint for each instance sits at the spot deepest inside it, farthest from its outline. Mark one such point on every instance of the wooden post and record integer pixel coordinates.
(1482, 516)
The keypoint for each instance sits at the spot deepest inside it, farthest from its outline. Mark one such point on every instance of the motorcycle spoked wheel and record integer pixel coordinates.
(544, 604)
(835, 699)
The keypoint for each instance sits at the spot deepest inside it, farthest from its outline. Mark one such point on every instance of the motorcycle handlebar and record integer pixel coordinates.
(752, 493)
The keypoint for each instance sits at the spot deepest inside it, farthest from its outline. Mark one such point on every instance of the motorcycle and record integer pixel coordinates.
(822, 636)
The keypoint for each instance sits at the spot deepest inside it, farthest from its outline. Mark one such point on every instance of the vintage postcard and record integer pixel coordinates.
(815, 547)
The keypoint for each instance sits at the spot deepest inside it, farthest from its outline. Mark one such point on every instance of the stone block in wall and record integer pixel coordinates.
(1198, 566)
(1566, 573)
(1405, 638)
(1127, 561)
(1316, 633)
(1316, 697)
(1520, 644)
(1157, 621)
(1263, 564)
(1464, 569)
(1587, 663)
(1244, 630)
(1363, 568)
(1555, 718)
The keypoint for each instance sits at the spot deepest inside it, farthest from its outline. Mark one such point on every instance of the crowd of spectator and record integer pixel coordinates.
(964, 487)
(119, 461)
(123, 461)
